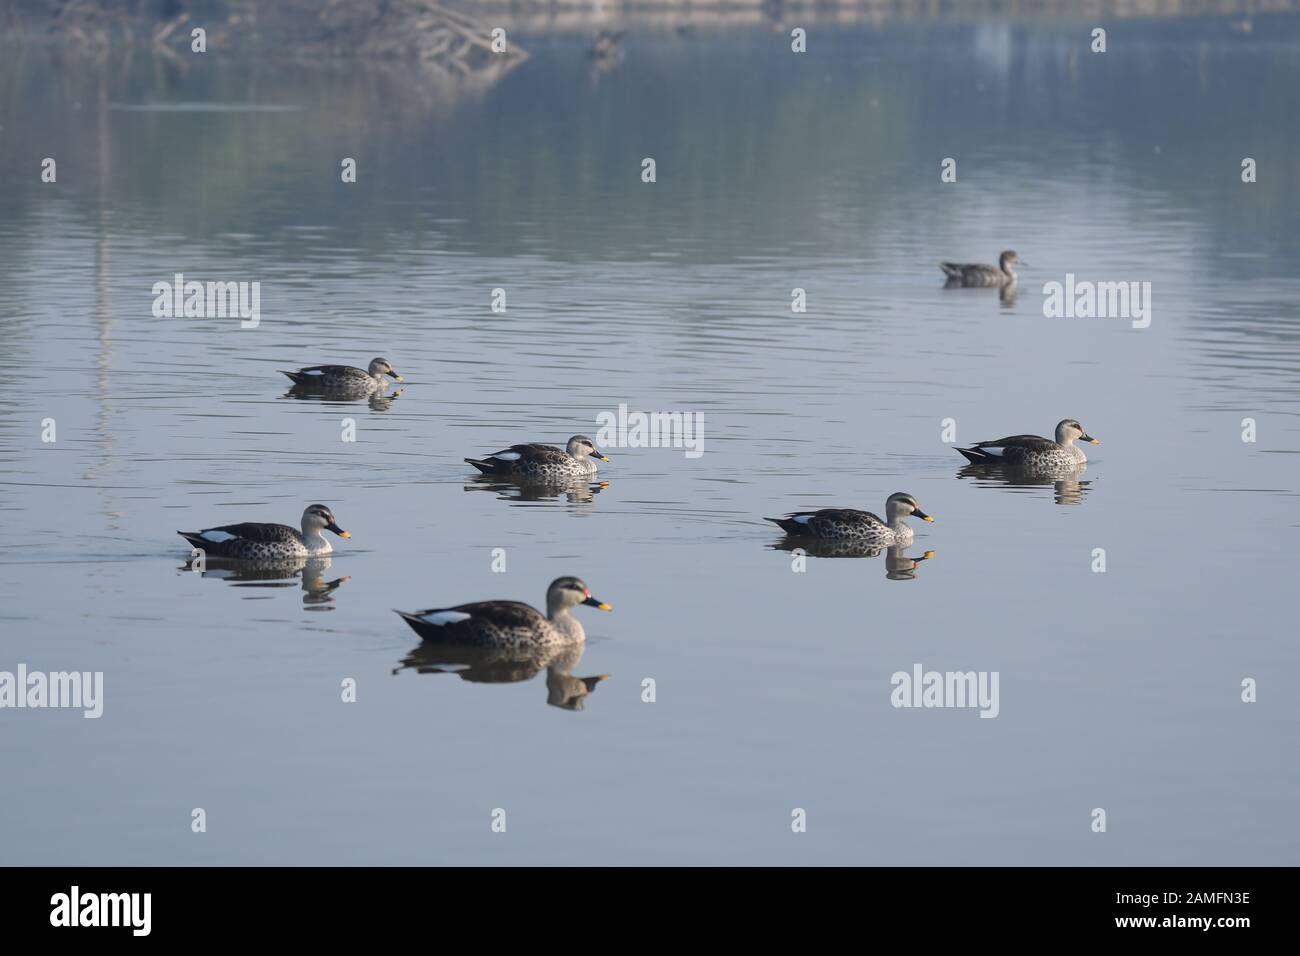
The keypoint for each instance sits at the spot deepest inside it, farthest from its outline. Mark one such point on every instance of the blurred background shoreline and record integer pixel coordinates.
(372, 28)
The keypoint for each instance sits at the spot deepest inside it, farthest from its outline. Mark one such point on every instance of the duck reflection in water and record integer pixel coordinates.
(486, 665)
(377, 400)
(1066, 483)
(318, 593)
(899, 566)
(576, 491)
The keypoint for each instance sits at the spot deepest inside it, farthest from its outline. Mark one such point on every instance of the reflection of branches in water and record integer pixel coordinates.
(423, 29)
(415, 29)
(780, 16)
(423, 87)
(95, 27)
(483, 665)
(451, 48)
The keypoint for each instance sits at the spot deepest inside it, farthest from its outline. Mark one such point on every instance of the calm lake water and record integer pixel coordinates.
(1119, 690)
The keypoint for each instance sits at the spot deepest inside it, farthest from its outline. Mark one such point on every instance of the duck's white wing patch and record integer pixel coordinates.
(803, 519)
(217, 537)
(315, 371)
(442, 618)
(506, 456)
(994, 450)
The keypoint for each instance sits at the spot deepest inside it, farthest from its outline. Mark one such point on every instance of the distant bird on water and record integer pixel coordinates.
(606, 45)
(977, 275)
(345, 378)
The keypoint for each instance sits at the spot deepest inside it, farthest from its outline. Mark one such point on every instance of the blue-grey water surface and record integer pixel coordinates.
(1118, 690)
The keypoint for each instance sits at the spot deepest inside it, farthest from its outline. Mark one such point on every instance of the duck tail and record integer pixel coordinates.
(486, 467)
(297, 377)
(787, 525)
(977, 456)
(415, 623)
(193, 537)
(951, 269)
(427, 631)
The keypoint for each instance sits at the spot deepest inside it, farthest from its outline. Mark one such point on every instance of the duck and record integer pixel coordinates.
(863, 527)
(606, 44)
(974, 274)
(255, 541)
(345, 378)
(509, 624)
(544, 463)
(1032, 452)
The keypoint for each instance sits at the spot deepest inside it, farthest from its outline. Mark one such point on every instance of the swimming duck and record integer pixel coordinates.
(606, 44)
(1032, 452)
(543, 462)
(847, 524)
(253, 541)
(345, 378)
(509, 624)
(978, 275)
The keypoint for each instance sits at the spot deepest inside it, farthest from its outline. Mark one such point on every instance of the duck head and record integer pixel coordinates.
(1068, 431)
(379, 367)
(901, 505)
(318, 518)
(1009, 259)
(568, 592)
(580, 446)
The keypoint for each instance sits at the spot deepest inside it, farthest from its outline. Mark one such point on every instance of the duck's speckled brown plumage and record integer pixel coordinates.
(1033, 453)
(508, 624)
(978, 275)
(257, 541)
(344, 378)
(838, 524)
(849, 524)
(542, 463)
(505, 624)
